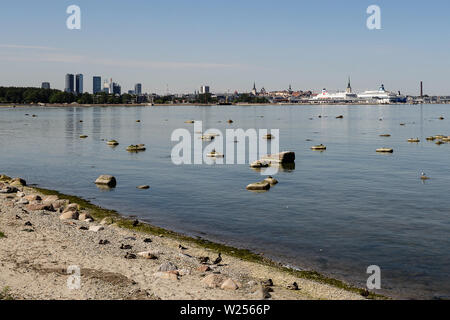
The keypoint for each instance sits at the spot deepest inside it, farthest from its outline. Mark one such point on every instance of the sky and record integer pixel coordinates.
(178, 45)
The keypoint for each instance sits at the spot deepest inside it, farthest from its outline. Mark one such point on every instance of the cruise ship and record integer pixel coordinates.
(382, 96)
(347, 96)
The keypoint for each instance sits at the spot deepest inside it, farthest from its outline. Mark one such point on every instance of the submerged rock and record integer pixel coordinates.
(143, 187)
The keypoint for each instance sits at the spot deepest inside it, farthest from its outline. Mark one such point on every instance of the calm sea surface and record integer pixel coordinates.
(337, 212)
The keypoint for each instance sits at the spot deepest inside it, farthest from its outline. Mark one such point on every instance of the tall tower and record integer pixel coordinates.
(96, 84)
(421, 89)
(79, 84)
(349, 86)
(138, 89)
(254, 91)
(69, 85)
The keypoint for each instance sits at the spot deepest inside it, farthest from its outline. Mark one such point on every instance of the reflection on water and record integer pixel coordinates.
(336, 211)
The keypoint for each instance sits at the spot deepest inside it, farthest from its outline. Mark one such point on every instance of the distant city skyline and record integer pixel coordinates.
(178, 46)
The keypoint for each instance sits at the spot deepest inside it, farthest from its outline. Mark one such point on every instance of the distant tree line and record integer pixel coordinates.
(37, 95)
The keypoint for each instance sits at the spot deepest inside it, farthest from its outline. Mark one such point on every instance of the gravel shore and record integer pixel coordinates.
(38, 248)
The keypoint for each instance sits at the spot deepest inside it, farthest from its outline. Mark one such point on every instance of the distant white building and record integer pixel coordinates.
(204, 89)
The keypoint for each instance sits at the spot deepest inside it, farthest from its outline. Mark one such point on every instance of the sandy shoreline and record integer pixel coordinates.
(38, 247)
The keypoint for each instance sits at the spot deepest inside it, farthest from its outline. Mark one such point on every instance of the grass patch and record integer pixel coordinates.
(5, 294)
(99, 213)
(2, 235)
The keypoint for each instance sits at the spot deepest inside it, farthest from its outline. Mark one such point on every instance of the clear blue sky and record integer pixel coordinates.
(228, 44)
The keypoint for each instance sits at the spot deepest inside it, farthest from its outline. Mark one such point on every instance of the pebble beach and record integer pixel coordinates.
(43, 236)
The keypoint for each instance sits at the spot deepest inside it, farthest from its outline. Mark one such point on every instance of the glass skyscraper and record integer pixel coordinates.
(138, 89)
(96, 84)
(79, 84)
(69, 87)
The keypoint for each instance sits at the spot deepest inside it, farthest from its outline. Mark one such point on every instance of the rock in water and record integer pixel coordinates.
(112, 143)
(282, 157)
(106, 180)
(271, 180)
(259, 186)
(143, 187)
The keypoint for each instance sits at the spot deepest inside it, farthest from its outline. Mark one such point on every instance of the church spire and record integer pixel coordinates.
(349, 86)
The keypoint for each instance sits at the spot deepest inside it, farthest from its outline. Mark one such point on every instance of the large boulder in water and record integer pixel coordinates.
(106, 180)
(259, 186)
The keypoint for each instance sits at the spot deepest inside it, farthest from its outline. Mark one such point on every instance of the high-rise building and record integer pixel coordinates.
(96, 84)
(138, 89)
(79, 84)
(69, 86)
(204, 89)
(116, 89)
(45, 85)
